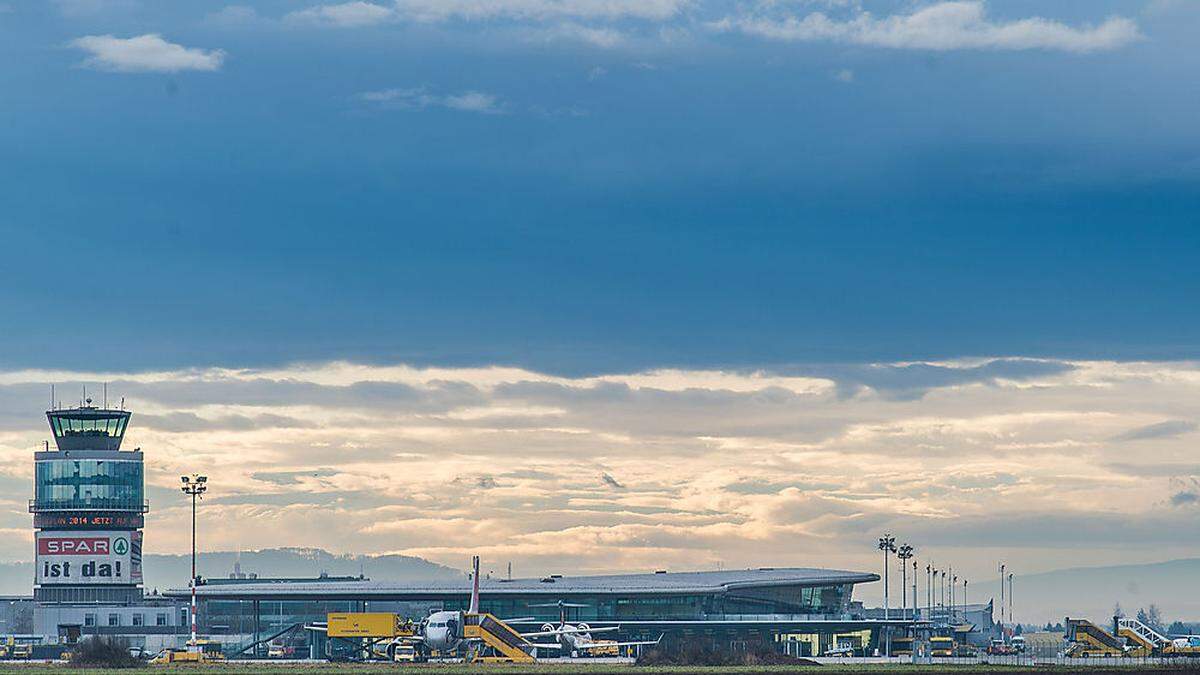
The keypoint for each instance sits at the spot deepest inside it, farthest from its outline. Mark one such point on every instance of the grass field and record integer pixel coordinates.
(571, 669)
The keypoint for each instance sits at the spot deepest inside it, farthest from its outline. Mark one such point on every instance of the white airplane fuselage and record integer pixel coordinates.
(443, 632)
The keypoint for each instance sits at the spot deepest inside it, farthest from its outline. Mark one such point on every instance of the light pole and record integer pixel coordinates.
(904, 553)
(953, 599)
(950, 591)
(887, 544)
(194, 485)
(1010, 600)
(915, 603)
(929, 592)
(1002, 598)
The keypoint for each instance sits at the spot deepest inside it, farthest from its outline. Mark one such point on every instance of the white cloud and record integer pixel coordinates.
(743, 467)
(442, 10)
(344, 15)
(473, 101)
(844, 75)
(148, 53)
(361, 13)
(942, 26)
(420, 98)
(606, 38)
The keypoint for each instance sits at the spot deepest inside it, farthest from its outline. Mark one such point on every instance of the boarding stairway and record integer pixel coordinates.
(498, 635)
(1092, 640)
(1144, 639)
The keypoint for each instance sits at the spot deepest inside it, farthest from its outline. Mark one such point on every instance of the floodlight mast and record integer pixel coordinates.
(887, 544)
(904, 553)
(194, 485)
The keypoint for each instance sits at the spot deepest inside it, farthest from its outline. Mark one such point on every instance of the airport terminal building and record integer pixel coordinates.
(808, 609)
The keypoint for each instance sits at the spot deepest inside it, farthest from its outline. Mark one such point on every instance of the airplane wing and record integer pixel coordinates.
(597, 645)
(548, 645)
(560, 631)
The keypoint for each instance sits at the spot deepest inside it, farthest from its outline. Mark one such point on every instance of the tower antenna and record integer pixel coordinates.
(52, 396)
(106, 396)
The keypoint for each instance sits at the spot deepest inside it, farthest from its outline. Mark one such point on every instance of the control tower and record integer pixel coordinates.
(88, 511)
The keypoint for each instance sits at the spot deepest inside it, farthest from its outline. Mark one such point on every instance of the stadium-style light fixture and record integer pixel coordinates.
(194, 485)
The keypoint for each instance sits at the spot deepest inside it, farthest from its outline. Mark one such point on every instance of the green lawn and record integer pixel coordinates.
(551, 669)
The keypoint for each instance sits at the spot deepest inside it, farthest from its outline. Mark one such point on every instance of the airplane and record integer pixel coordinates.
(577, 639)
(442, 631)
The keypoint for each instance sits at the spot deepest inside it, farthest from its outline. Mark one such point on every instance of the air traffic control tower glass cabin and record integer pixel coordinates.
(84, 491)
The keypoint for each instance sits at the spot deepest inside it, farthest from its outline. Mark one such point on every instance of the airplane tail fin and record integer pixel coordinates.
(474, 608)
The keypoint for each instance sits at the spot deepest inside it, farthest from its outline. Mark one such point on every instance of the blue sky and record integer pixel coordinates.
(676, 283)
(680, 194)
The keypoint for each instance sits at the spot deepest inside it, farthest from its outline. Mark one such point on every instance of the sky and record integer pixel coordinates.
(617, 284)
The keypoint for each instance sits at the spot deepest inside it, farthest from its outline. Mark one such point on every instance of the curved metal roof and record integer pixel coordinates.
(663, 582)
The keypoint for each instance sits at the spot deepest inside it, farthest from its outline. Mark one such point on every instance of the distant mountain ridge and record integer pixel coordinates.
(172, 571)
(1092, 592)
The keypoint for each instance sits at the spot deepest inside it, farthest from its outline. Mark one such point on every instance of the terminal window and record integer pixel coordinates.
(114, 619)
(89, 619)
(137, 619)
(161, 619)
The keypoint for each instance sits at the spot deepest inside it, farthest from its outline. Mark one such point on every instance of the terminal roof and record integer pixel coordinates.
(663, 582)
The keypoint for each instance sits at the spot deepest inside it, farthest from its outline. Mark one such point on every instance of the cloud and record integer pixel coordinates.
(1168, 429)
(420, 99)
(941, 26)
(360, 13)
(148, 53)
(471, 10)
(844, 75)
(291, 477)
(345, 15)
(605, 38)
(1185, 498)
(739, 467)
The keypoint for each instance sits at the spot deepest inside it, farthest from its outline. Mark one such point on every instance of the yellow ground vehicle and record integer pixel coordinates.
(403, 653)
(21, 650)
(11, 649)
(941, 646)
(206, 651)
(902, 646)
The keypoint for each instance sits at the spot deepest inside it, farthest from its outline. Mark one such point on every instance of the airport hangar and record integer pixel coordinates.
(799, 610)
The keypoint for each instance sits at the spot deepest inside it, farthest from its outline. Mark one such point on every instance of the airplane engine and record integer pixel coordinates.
(583, 627)
(547, 627)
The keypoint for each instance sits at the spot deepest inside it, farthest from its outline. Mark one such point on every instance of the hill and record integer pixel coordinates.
(1091, 592)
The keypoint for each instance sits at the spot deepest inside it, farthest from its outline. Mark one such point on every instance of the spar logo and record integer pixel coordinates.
(80, 546)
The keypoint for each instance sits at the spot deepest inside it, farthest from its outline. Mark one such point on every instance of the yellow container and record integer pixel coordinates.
(365, 625)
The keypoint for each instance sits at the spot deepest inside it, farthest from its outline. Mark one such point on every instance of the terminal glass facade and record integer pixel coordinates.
(89, 484)
(238, 616)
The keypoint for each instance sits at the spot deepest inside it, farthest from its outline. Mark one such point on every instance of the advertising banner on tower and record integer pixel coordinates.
(75, 557)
